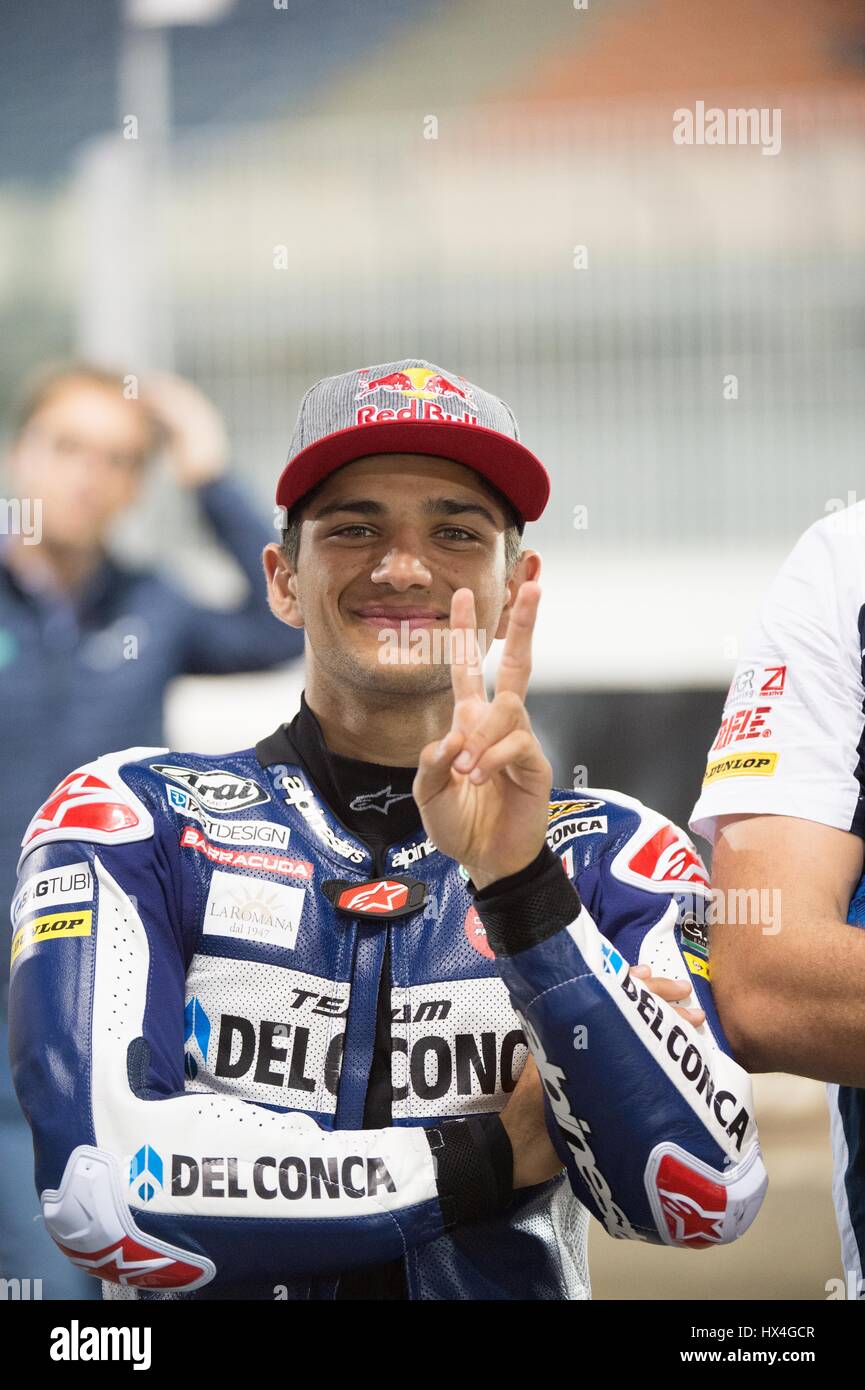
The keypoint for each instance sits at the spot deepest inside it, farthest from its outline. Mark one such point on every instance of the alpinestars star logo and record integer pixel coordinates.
(378, 801)
(83, 802)
(693, 1204)
(131, 1262)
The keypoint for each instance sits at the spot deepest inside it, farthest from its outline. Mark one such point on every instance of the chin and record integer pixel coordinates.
(402, 678)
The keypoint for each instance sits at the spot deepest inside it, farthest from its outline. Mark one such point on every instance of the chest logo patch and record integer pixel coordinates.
(377, 897)
(253, 909)
(216, 789)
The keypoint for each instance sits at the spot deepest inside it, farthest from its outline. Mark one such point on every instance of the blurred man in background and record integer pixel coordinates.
(88, 646)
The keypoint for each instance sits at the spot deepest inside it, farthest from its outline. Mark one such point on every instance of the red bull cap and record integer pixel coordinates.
(411, 407)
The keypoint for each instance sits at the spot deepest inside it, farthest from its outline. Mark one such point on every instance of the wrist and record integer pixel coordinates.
(483, 879)
(529, 907)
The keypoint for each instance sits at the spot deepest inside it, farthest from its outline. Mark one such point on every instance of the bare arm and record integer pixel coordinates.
(788, 978)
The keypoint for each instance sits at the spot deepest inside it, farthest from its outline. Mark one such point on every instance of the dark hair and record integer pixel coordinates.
(38, 388)
(513, 525)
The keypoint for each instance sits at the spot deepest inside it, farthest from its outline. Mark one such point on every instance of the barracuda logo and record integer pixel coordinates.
(146, 1173)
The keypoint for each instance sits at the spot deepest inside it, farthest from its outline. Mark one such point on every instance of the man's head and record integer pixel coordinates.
(403, 485)
(80, 446)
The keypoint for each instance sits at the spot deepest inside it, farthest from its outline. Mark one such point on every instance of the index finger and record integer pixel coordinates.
(516, 663)
(467, 676)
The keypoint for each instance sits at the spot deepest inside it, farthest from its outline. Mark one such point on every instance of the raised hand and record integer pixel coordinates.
(484, 790)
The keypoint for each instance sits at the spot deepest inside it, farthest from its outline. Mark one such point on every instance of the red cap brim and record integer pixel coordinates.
(504, 462)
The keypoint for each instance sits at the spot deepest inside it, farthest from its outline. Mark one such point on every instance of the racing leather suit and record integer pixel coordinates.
(200, 950)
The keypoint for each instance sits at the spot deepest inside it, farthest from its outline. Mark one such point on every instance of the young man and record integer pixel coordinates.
(783, 800)
(271, 1009)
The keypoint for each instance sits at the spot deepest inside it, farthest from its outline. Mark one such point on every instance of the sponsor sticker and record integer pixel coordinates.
(697, 965)
(775, 679)
(571, 808)
(476, 934)
(747, 723)
(741, 687)
(694, 935)
(230, 832)
(741, 765)
(50, 928)
(69, 883)
(255, 859)
(215, 789)
(754, 683)
(253, 909)
(562, 831)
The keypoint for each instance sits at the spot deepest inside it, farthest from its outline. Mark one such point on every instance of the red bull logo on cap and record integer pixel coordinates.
(418, 382)
(424, 388)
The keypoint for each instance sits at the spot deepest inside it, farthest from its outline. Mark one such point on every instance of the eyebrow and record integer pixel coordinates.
(451, 506)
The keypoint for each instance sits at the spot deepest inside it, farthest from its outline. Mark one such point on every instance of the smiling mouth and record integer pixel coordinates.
(386, 617)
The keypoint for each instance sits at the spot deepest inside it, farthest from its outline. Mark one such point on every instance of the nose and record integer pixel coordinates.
(402, 568)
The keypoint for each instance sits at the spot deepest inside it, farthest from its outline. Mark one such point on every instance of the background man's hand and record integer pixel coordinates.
(483, 791)
(535, 1159)
(196, 439)
(670, 991)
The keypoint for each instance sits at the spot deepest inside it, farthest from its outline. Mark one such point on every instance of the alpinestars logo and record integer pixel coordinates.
(575, 1135)
(383, 896)
(378, 801)
(82, 802)
(409, 854)
(693, 1205)
(668, 858)
(297, 794)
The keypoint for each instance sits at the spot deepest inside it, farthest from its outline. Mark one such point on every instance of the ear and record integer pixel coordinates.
(282, 594)
(527, 567)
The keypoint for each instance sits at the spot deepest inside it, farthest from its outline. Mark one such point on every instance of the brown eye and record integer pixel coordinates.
(456, 533)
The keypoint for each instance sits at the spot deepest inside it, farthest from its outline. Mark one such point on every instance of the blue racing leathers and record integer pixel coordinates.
(197, 949)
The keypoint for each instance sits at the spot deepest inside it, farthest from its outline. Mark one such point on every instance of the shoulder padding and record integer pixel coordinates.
(657, 855)
(93, 804)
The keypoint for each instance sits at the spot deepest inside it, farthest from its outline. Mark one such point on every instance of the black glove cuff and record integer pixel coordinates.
(528, 907)
(474, 1168)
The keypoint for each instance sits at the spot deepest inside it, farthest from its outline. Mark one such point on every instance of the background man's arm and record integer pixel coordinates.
(789, 986)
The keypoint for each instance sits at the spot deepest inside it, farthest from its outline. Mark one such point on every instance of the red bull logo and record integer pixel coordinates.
(420, 383)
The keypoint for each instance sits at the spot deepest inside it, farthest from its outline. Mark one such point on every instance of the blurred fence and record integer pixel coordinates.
(258, 258)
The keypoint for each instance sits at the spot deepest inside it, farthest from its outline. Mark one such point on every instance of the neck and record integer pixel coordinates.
(391, 729)
(59, 566)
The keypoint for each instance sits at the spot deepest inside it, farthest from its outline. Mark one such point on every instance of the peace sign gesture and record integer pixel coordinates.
(484, 790)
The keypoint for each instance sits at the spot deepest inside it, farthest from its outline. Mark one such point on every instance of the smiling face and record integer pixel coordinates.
(384, 543)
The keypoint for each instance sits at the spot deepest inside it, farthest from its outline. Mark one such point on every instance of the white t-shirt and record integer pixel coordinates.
(792, 735)
(792, 743)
